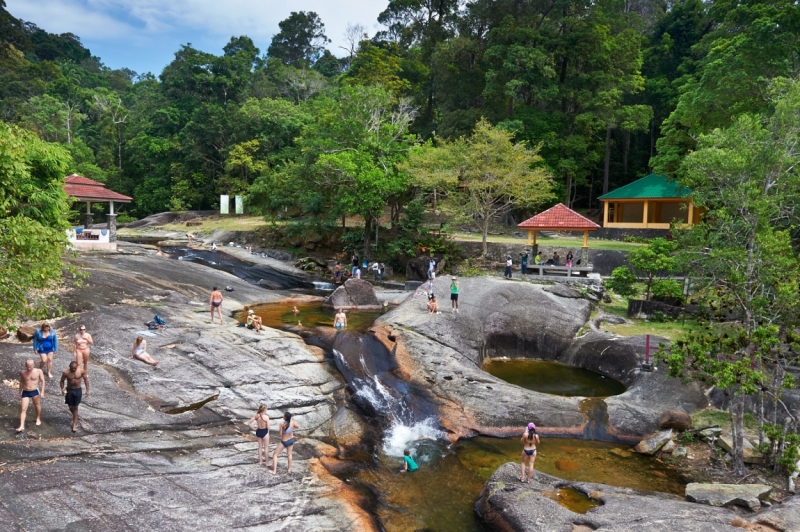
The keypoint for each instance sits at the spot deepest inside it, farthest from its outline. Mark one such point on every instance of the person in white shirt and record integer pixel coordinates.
(507, 274)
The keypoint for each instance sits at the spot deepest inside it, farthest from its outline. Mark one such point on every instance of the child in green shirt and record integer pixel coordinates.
(408, 463)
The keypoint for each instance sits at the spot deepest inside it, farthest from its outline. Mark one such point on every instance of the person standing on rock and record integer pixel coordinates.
(30, 381)
(262, 433)
(340, 321)
(432, 269)
(524, 262)
(83, 343)
(139, 352)
(287, 441)
(529, 442)
(454, 295)
(382, 271)
(215, 303)
(74, 393)
(337, 273)
(509, 262)
(376, 269)
(357, 273)
(45, 343)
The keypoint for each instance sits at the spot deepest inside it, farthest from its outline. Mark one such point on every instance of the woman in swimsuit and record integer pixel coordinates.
(287, 441)
(45, 343)
(82, 342)
(262, 433)
(529, 442)
(140, 351)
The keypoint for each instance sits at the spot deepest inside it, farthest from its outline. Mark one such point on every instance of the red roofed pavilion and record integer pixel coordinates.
(89, 191)
(558, 218)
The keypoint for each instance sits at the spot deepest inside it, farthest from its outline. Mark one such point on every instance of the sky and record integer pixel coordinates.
(144, 35)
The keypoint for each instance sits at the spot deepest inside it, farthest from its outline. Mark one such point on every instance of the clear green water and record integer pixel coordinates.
(277, 315)
(553, 378)
(441, 495)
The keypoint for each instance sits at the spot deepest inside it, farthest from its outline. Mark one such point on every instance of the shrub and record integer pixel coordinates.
(622, 281)
(667, 289)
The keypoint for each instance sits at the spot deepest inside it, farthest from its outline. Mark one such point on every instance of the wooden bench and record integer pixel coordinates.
(572, 271)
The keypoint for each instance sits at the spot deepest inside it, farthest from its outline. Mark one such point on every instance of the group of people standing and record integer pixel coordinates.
(378, 270)
(32, 379)
(285, 433)
(537, 260)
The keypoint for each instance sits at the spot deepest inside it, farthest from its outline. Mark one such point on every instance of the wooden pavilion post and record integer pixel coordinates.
(645, 213)
(690, 219)
(585, 249)
(605, 213)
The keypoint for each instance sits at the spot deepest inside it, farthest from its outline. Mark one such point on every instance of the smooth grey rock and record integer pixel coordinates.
(711, 433)
(784, 516)
(669, 447)
(506, 504)
(653, 444)
(563, 291)
(354, 294)
(675, 419)
(746, 495)
(751, 454)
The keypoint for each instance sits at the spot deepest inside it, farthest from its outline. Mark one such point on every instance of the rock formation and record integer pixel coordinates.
(354, 294)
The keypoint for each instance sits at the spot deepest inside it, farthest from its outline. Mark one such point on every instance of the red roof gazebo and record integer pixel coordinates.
(558, 218)
(89, 191)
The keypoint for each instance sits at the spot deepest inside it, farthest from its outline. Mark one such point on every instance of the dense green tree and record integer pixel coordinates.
(301, 41)
(33, 220)
(483, 175)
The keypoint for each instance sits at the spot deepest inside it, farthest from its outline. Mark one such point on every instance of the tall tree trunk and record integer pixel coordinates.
(485, 230)
(625, 151)
(367, 234)
(652, 139)
(568, 199)
(737, 429)
(510, 108)
(607, 164)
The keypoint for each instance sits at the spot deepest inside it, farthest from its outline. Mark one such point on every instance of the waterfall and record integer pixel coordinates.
(367, 367)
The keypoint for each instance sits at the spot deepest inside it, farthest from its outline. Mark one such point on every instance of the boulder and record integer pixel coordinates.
(506, 504)
(680, 452)
(751, 455)
(746, 495)
(669, 447)
(711, 433)
(354, 294)
(25, 334)
(563, 291)
(3, 332)
(675, 419)
(417, 268)
(654, 443)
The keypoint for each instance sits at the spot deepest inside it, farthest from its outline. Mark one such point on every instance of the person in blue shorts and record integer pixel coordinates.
(340, 321)
(409, 465)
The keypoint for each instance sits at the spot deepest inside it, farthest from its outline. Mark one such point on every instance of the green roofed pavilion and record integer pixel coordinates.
(652, 202)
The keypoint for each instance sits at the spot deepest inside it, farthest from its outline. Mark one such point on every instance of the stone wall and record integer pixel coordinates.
(604, 260)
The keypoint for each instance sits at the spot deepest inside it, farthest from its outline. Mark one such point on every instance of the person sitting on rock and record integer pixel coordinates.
(253, 321)
(140, 352)
(433, 306)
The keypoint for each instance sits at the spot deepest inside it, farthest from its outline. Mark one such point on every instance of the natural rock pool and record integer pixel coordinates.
(553, 378)
(441, 494)
(311, 314)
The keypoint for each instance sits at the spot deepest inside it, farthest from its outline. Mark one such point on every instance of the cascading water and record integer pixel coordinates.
(368, 368)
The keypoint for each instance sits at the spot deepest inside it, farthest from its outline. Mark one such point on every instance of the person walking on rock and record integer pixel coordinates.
(83, 343)
(454, 295)
(73, 394)
(507, 273)
(31, 388)
(287, 441)
(262, 433)
(337, 273)
(215, 303)
(45, 343)
(529, 442)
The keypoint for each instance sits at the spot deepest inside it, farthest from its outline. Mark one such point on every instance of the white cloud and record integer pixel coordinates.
(144, 20)
(69, 16)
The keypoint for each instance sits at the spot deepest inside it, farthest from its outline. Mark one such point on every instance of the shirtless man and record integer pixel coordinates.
(29, 381)
(340, 321)
(215, 303)
(83, 341)
(73, 394)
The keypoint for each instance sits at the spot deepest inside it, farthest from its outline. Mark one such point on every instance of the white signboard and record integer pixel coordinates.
(224, 203)
(239, 204)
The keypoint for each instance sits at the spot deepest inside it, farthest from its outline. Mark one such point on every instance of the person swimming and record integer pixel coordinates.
(409, 465)
(529, 442)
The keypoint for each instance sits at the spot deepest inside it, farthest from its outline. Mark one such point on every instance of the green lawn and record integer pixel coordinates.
(670, 329)
(544, 241)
